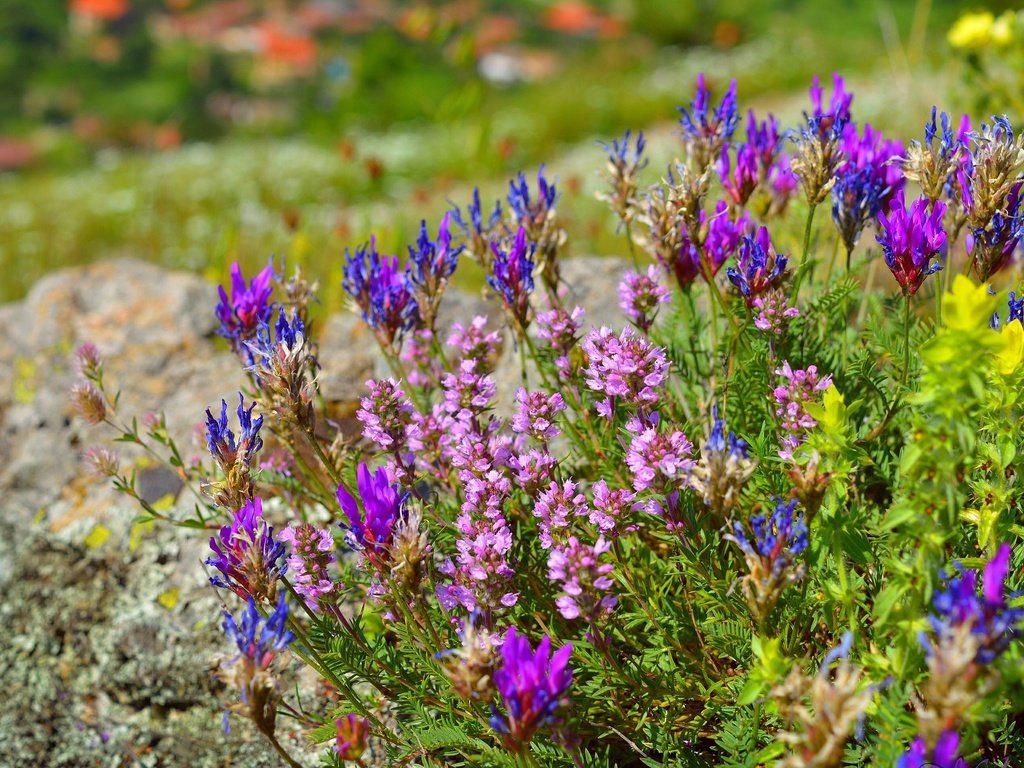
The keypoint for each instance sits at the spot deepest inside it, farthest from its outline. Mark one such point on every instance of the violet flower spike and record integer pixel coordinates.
(758, 268)
(382, 504)
(533, 686)
(431, 264)
(380, 288)
(705, 132)
(993, 623)
(249, 304)
(830, 121)
(250, 560)
(221, 440)
(912, 240)
(512, 277)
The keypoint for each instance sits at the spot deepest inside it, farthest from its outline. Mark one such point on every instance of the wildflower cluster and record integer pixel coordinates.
(637, 543)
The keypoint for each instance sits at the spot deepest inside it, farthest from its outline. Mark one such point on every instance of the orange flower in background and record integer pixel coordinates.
(280, 44)
(99, 9)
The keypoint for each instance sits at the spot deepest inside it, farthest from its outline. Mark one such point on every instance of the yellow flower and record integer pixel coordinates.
(967, 307)
(1002, 29)
(972, 30)
(1010, 356)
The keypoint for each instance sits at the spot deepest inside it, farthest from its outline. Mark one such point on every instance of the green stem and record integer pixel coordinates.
(632, 247)
(906, 339)
(804, 262)
(281, 751)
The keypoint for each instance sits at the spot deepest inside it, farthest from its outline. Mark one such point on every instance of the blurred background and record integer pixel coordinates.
(195, 132)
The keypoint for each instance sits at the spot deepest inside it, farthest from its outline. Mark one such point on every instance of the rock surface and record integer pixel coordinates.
(111, 629)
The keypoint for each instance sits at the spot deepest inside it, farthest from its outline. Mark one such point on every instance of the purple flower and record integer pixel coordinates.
(431, 263)
(530, 212)
(385, 414)
(740, 182)
(777, 539)
(533, 687)
(221, 440)
(765, 140)
(724, 466)
(943, 755)
(534, 471)
(584, 579)
(706, 131)
(830, 122)
(536, 414)
(241, 313)
(259, 642)
(993, 246)
(800, 387)
(724, 236)
(372, 533)
(381, 290)
(659, 460)
(911, 240)
(866, 182)
(467, 392)
(512, 277)
(773, 313)
(993, 623)
(475, 226)
(610, 506)
(309, 562)
(758, 268)
(249, 558)
(626, 368)
(475, 342)
(622, 155)
(556, 508)
(1016, 308)
(640, 295)
(560, 328)
(351, 735)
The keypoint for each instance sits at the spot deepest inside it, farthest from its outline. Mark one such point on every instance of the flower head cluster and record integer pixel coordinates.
(381, 290)
(993, 623)
(758, 268)
(937, 162)
(250, 560)
(284, 368)
(800, 386)
(431, 264)
(233, 457)
(819, 153)
(611, 507)
(912, 240)
(705, 130)
(536, 217)
(88, 402)
(556, 509)
(766, 141)
(640, 296)
(739, 182)
(534, 470)
(533, 686)
(471, 667)
(385, 414)
(724, 466)
(247, 307)
(659, 461)
(626, 368)
(475, 342)
(625, 162)
(774, 312)
(771, 553)
(373, 531)
(992, 247)
(990, 190)
(259, 643)
(312, 552)
(821, 712)
(584, 579)
(943, 754)
(866, 182)
(512, 277)
(477, 233)
(536, 414)
(351, 735)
